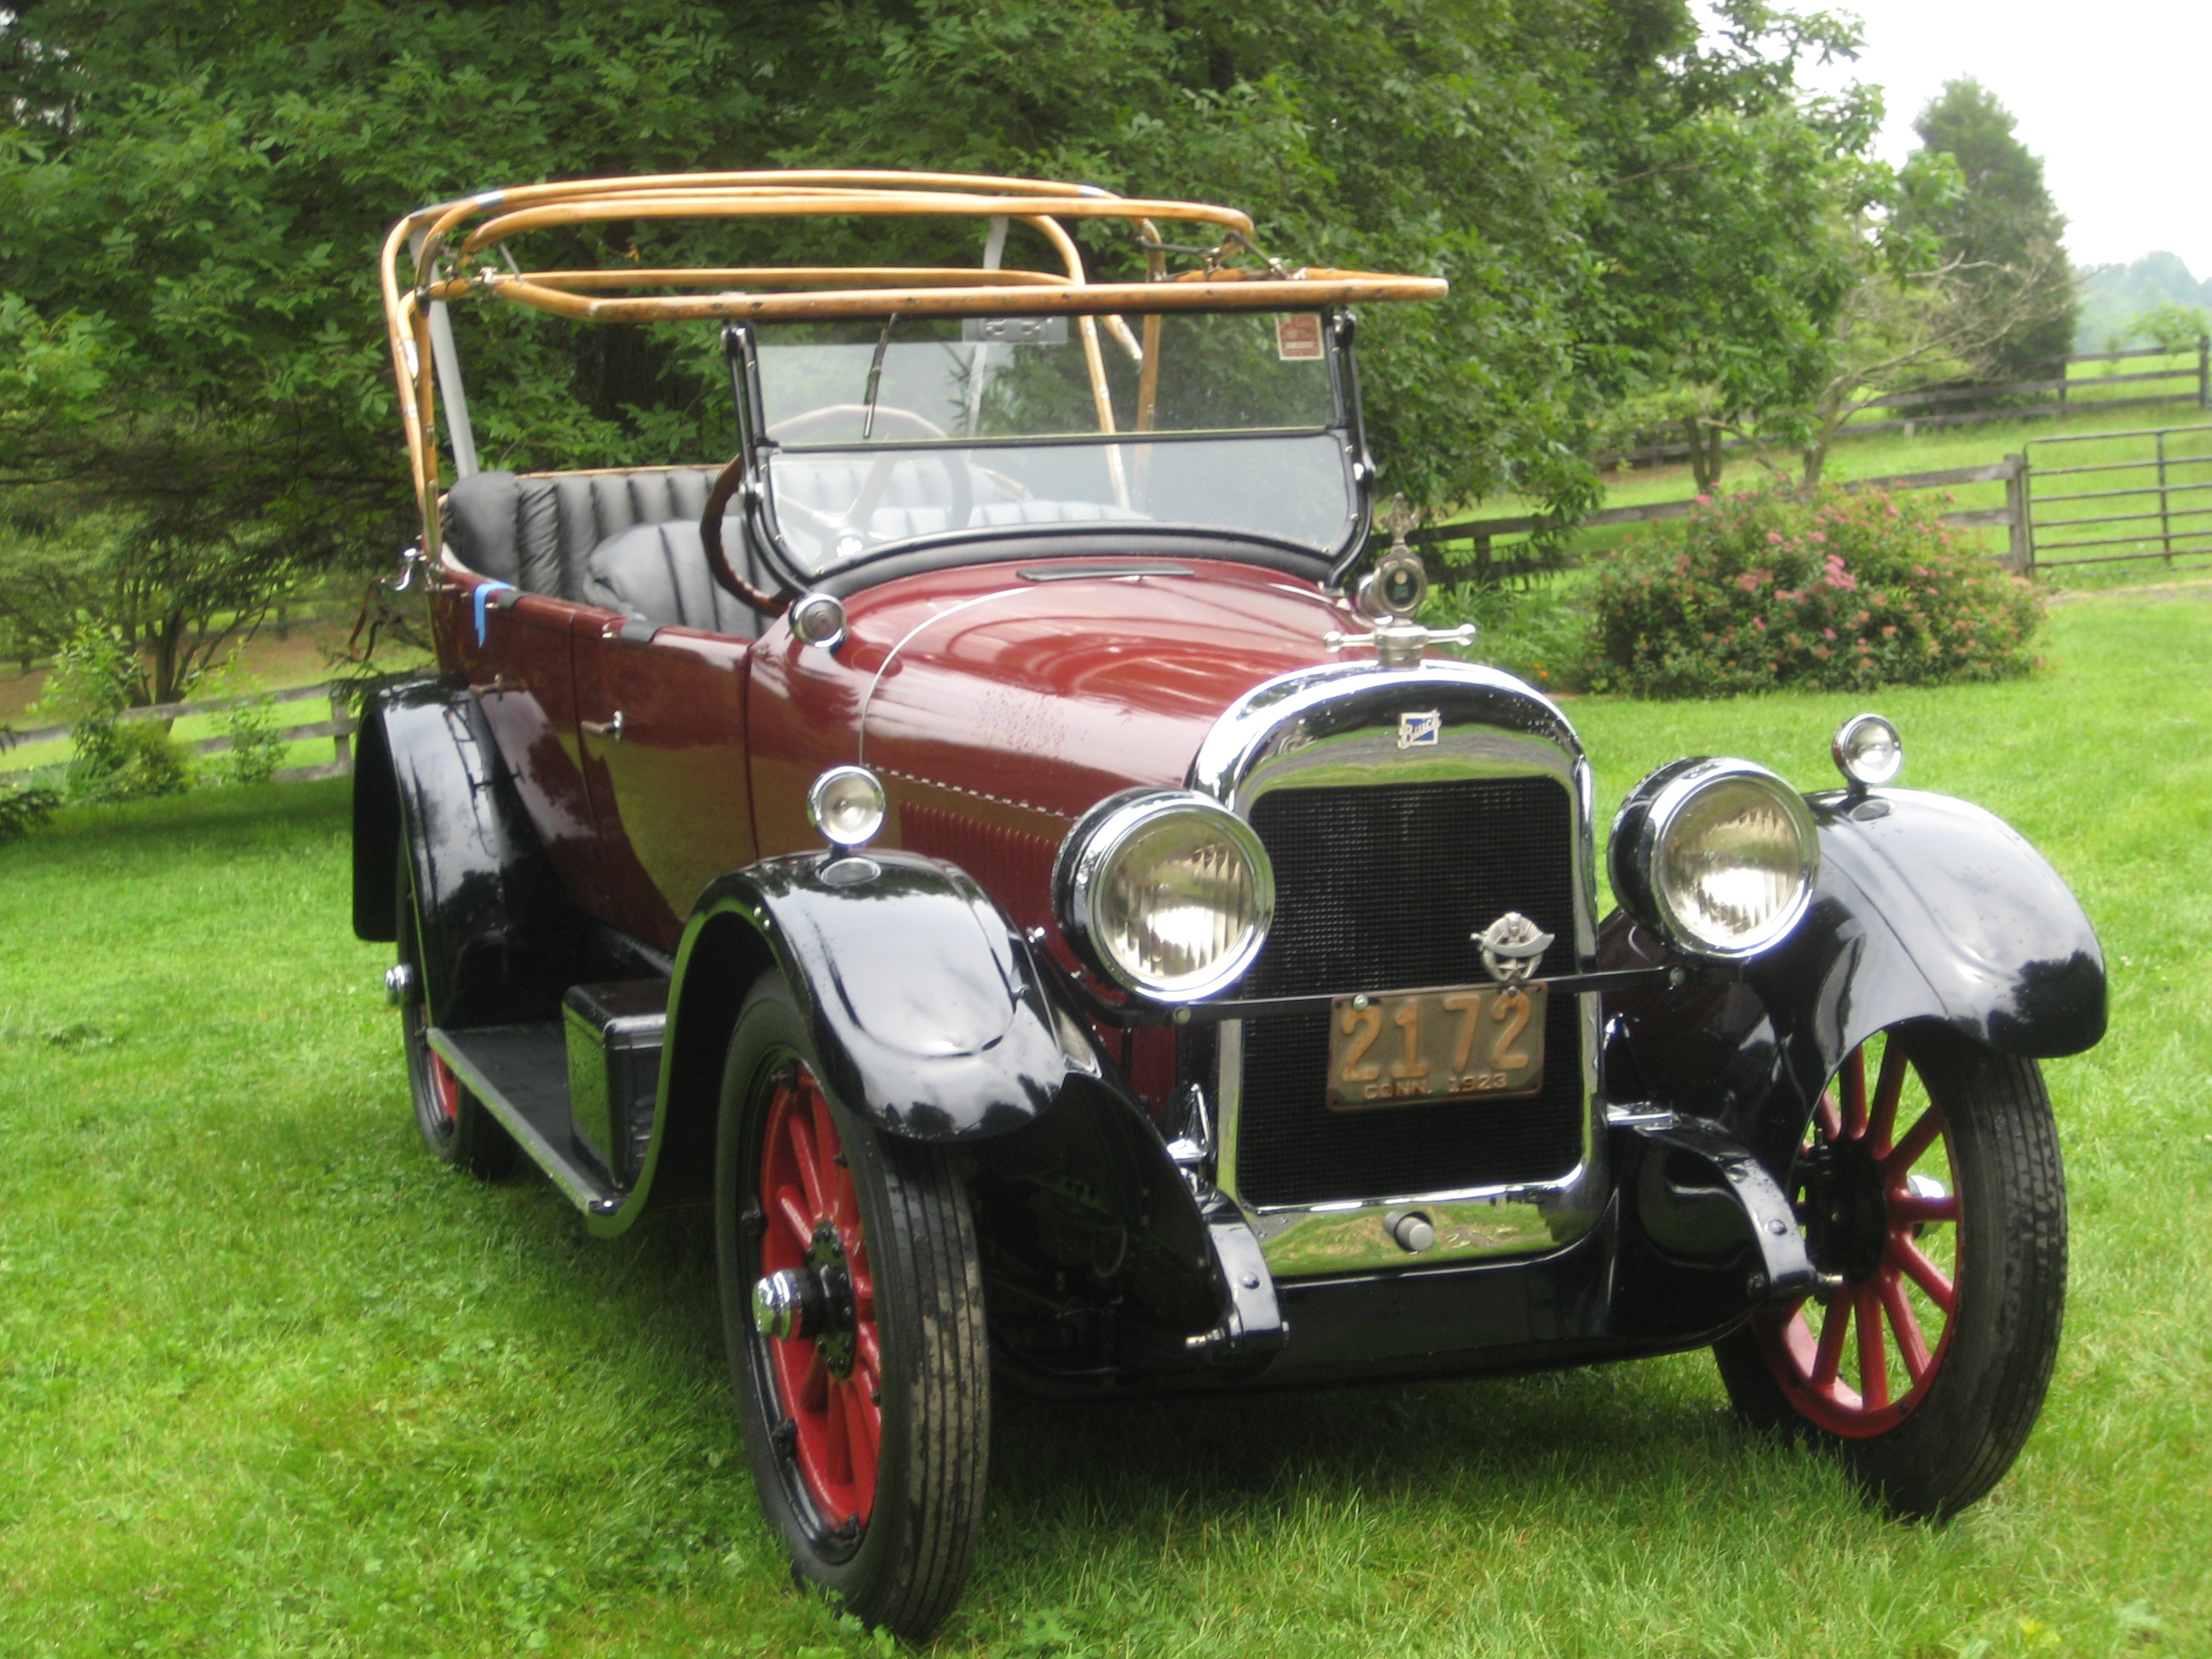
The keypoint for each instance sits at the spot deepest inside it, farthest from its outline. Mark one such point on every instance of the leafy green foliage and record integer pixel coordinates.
(2002, 230)
(178, 601)
(95, 675)
(1719, 288)
(256, 750)
(1840, 590)
(2171, 327)
(191, 197)
(24, 809)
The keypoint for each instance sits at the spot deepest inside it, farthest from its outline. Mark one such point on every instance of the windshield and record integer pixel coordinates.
(884, 433)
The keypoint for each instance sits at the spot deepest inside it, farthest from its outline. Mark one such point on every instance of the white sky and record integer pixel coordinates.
(2112, 96)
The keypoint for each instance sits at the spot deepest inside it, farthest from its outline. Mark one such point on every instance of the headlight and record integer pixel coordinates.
(1165, 893)
(1717, 856)
(1868, 751)
(847, 804)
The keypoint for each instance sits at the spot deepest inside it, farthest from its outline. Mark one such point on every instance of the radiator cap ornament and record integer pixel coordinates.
(1511, 946)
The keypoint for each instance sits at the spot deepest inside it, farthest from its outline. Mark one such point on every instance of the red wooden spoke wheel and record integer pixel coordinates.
(853, 1311)
(1882, 1339)
(1930, 1183)
(829, 1380)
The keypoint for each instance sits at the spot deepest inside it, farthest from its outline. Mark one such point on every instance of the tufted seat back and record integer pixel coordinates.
(622, 541)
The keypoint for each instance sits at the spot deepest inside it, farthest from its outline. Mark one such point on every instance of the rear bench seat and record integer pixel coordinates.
(627, 542)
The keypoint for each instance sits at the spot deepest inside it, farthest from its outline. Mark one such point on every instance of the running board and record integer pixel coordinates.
(520, 1073)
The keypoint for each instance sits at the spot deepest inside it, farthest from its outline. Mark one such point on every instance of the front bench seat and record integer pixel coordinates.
(657, 572)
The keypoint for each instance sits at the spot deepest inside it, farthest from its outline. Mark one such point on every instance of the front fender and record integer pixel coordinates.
(1926, 907)
(932, 1017)
(929, 1014)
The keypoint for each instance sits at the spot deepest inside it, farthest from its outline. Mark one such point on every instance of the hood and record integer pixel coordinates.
(1051, 689)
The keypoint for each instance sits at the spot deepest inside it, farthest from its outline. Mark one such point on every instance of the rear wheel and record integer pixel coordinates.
(454, 1124)
(852, 1309)
(1937, 1196)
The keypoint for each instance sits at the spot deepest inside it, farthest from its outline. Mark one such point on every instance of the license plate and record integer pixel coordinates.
(1485, 1041)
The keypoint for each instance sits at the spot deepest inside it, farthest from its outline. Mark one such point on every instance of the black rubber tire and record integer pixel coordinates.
(468, 1137)
(906, 1569)
(1962, 1434)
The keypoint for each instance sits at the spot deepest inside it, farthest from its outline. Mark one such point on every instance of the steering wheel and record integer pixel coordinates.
(960, 486)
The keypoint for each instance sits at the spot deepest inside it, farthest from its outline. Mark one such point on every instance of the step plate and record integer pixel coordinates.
(520, 1073)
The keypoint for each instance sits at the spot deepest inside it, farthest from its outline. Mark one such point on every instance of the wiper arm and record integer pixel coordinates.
(876, 376)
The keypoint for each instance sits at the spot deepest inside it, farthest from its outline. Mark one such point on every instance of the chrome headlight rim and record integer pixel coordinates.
(1107, 830)
(1656, 806)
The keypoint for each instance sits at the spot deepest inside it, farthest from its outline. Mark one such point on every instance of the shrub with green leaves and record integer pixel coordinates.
(23, 810)
(256, 749)
(1836, 592)
(95, 675)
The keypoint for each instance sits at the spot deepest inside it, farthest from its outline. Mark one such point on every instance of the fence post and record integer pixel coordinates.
(2016, 503)
(341, 742)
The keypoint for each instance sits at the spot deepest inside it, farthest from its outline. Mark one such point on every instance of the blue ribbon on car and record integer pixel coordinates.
(484, 591)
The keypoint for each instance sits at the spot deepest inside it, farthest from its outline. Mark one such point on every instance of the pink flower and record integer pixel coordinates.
(1827, 632)
(1704, 501)
(1838, 578)
(1759, 622)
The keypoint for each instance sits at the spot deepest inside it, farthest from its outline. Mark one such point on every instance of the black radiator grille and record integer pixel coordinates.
(1378, 889)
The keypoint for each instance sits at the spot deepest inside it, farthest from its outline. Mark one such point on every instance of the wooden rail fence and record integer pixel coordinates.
(339, 728)
(2054, 391)
(1478, 536)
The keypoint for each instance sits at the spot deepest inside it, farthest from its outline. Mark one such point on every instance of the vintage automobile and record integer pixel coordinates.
(1004, 844)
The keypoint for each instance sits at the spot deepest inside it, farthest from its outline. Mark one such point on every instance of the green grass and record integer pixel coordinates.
(274, 1383)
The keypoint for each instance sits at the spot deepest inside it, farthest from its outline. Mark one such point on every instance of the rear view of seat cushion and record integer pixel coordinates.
(658, 572)
(540, 533)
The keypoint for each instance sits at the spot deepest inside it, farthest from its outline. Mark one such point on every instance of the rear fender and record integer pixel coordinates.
(498, 936)
(1926, 907)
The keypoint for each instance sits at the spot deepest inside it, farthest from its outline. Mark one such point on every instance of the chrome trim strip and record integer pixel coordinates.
(1340, 724)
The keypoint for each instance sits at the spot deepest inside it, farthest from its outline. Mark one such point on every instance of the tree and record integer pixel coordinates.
(2171, 327)
(2001, 231)
(191, 194)
(1715, 305)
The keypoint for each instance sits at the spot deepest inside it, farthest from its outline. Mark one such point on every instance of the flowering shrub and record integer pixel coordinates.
(1838, 592)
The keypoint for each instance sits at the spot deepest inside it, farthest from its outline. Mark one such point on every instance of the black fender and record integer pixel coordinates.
(934, 1020)
(1925, 907)
(499, 939)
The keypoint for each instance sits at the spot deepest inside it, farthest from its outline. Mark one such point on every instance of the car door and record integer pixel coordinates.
(661, 718)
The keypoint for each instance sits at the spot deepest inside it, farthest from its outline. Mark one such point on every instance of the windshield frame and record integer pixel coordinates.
(940, 547)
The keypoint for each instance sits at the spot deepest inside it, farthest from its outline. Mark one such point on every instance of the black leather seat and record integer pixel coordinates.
(658, 572)
(623, 541)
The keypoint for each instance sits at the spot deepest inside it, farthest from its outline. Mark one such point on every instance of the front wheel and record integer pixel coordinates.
(853, 1311)
(1926, 1369)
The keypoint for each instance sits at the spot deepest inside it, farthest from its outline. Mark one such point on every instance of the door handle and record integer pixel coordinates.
(609, 728)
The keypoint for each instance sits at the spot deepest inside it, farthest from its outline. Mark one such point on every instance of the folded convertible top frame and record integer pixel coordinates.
(451, 244)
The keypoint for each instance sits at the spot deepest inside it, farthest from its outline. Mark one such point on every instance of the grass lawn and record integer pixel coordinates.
(275, 1383)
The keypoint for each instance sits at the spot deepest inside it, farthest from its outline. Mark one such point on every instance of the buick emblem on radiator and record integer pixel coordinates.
(1419, 729)
(1511, 947)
